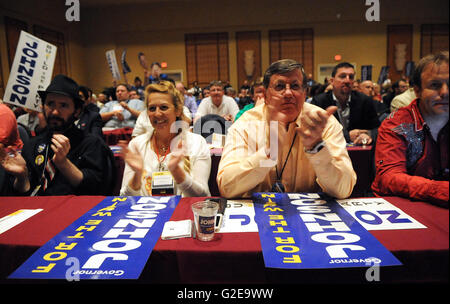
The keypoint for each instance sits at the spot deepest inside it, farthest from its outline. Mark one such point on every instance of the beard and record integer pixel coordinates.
(58, 125)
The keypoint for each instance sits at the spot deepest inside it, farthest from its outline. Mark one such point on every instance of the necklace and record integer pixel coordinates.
(278, 186)
(165, 150)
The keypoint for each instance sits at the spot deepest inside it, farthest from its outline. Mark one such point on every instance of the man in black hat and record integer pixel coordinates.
(63, 160)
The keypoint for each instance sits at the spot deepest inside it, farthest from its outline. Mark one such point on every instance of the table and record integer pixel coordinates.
(233, 257)
(112, 137)
(361, 157)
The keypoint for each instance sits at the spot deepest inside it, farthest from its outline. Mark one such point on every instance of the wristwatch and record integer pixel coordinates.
(316, 148)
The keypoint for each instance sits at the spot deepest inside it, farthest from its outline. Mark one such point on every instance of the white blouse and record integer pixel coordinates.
(196, 181)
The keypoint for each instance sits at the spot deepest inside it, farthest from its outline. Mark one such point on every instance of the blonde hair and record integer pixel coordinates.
(166, 87)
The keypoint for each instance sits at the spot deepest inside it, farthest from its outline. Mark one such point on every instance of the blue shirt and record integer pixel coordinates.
(129, 119)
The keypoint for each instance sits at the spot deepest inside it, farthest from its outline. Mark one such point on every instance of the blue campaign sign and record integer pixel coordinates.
(311, 230)
(111, 241)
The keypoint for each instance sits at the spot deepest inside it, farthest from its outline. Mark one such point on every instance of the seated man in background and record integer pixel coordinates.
(217, 103)
(138, 87)
(356, 111)
(257, 92)
(189, 100)
(412, 150)
(367, 88)
(62, 160)
(403, 99)
(285, 145)
(34, 121)
(397, 88)
(133, 94)
(122, 112)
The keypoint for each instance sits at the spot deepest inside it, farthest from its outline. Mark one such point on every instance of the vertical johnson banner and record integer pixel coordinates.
(112, 63)
(31, 71)
(310, 230)
(111, 241)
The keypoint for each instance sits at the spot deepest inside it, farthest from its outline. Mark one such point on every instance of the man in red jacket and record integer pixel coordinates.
(412, 148)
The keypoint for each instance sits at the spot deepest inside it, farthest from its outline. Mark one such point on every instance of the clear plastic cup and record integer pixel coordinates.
(205, 213)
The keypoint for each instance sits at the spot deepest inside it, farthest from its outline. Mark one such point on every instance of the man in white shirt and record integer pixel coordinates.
(217, 103)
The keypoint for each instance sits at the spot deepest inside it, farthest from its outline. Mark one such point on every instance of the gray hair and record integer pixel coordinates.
(283, 66)
(216, 83)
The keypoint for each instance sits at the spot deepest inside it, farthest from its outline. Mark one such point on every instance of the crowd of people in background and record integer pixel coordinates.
(151, 105)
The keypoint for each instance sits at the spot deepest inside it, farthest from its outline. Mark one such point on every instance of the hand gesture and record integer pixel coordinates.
(312, 125)
(173, 165)
(12, 161)
(363, 139)
(60, 145)
(228, 117)
(124, 105)
(119, 115)
(133, 159)
(360, 137)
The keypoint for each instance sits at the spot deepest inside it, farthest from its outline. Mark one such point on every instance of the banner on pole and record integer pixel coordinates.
(112, 63)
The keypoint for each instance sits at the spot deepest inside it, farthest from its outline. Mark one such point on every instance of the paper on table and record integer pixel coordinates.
(176, 229)
(15, 218)
(239, 216)
(378, 214)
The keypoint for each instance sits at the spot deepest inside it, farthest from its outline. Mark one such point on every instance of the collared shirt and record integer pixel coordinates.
(344, 113)
(228, 106)
(245, 168)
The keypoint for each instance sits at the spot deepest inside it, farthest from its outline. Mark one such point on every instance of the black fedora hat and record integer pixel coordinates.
(61, 84)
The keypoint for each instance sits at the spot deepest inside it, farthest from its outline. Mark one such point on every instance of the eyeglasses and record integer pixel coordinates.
(215, 90)
(281, 87)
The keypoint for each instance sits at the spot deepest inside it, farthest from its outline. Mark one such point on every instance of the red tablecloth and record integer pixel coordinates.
(233, 257)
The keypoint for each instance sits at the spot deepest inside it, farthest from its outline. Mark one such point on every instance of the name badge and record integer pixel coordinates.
(162, 183)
